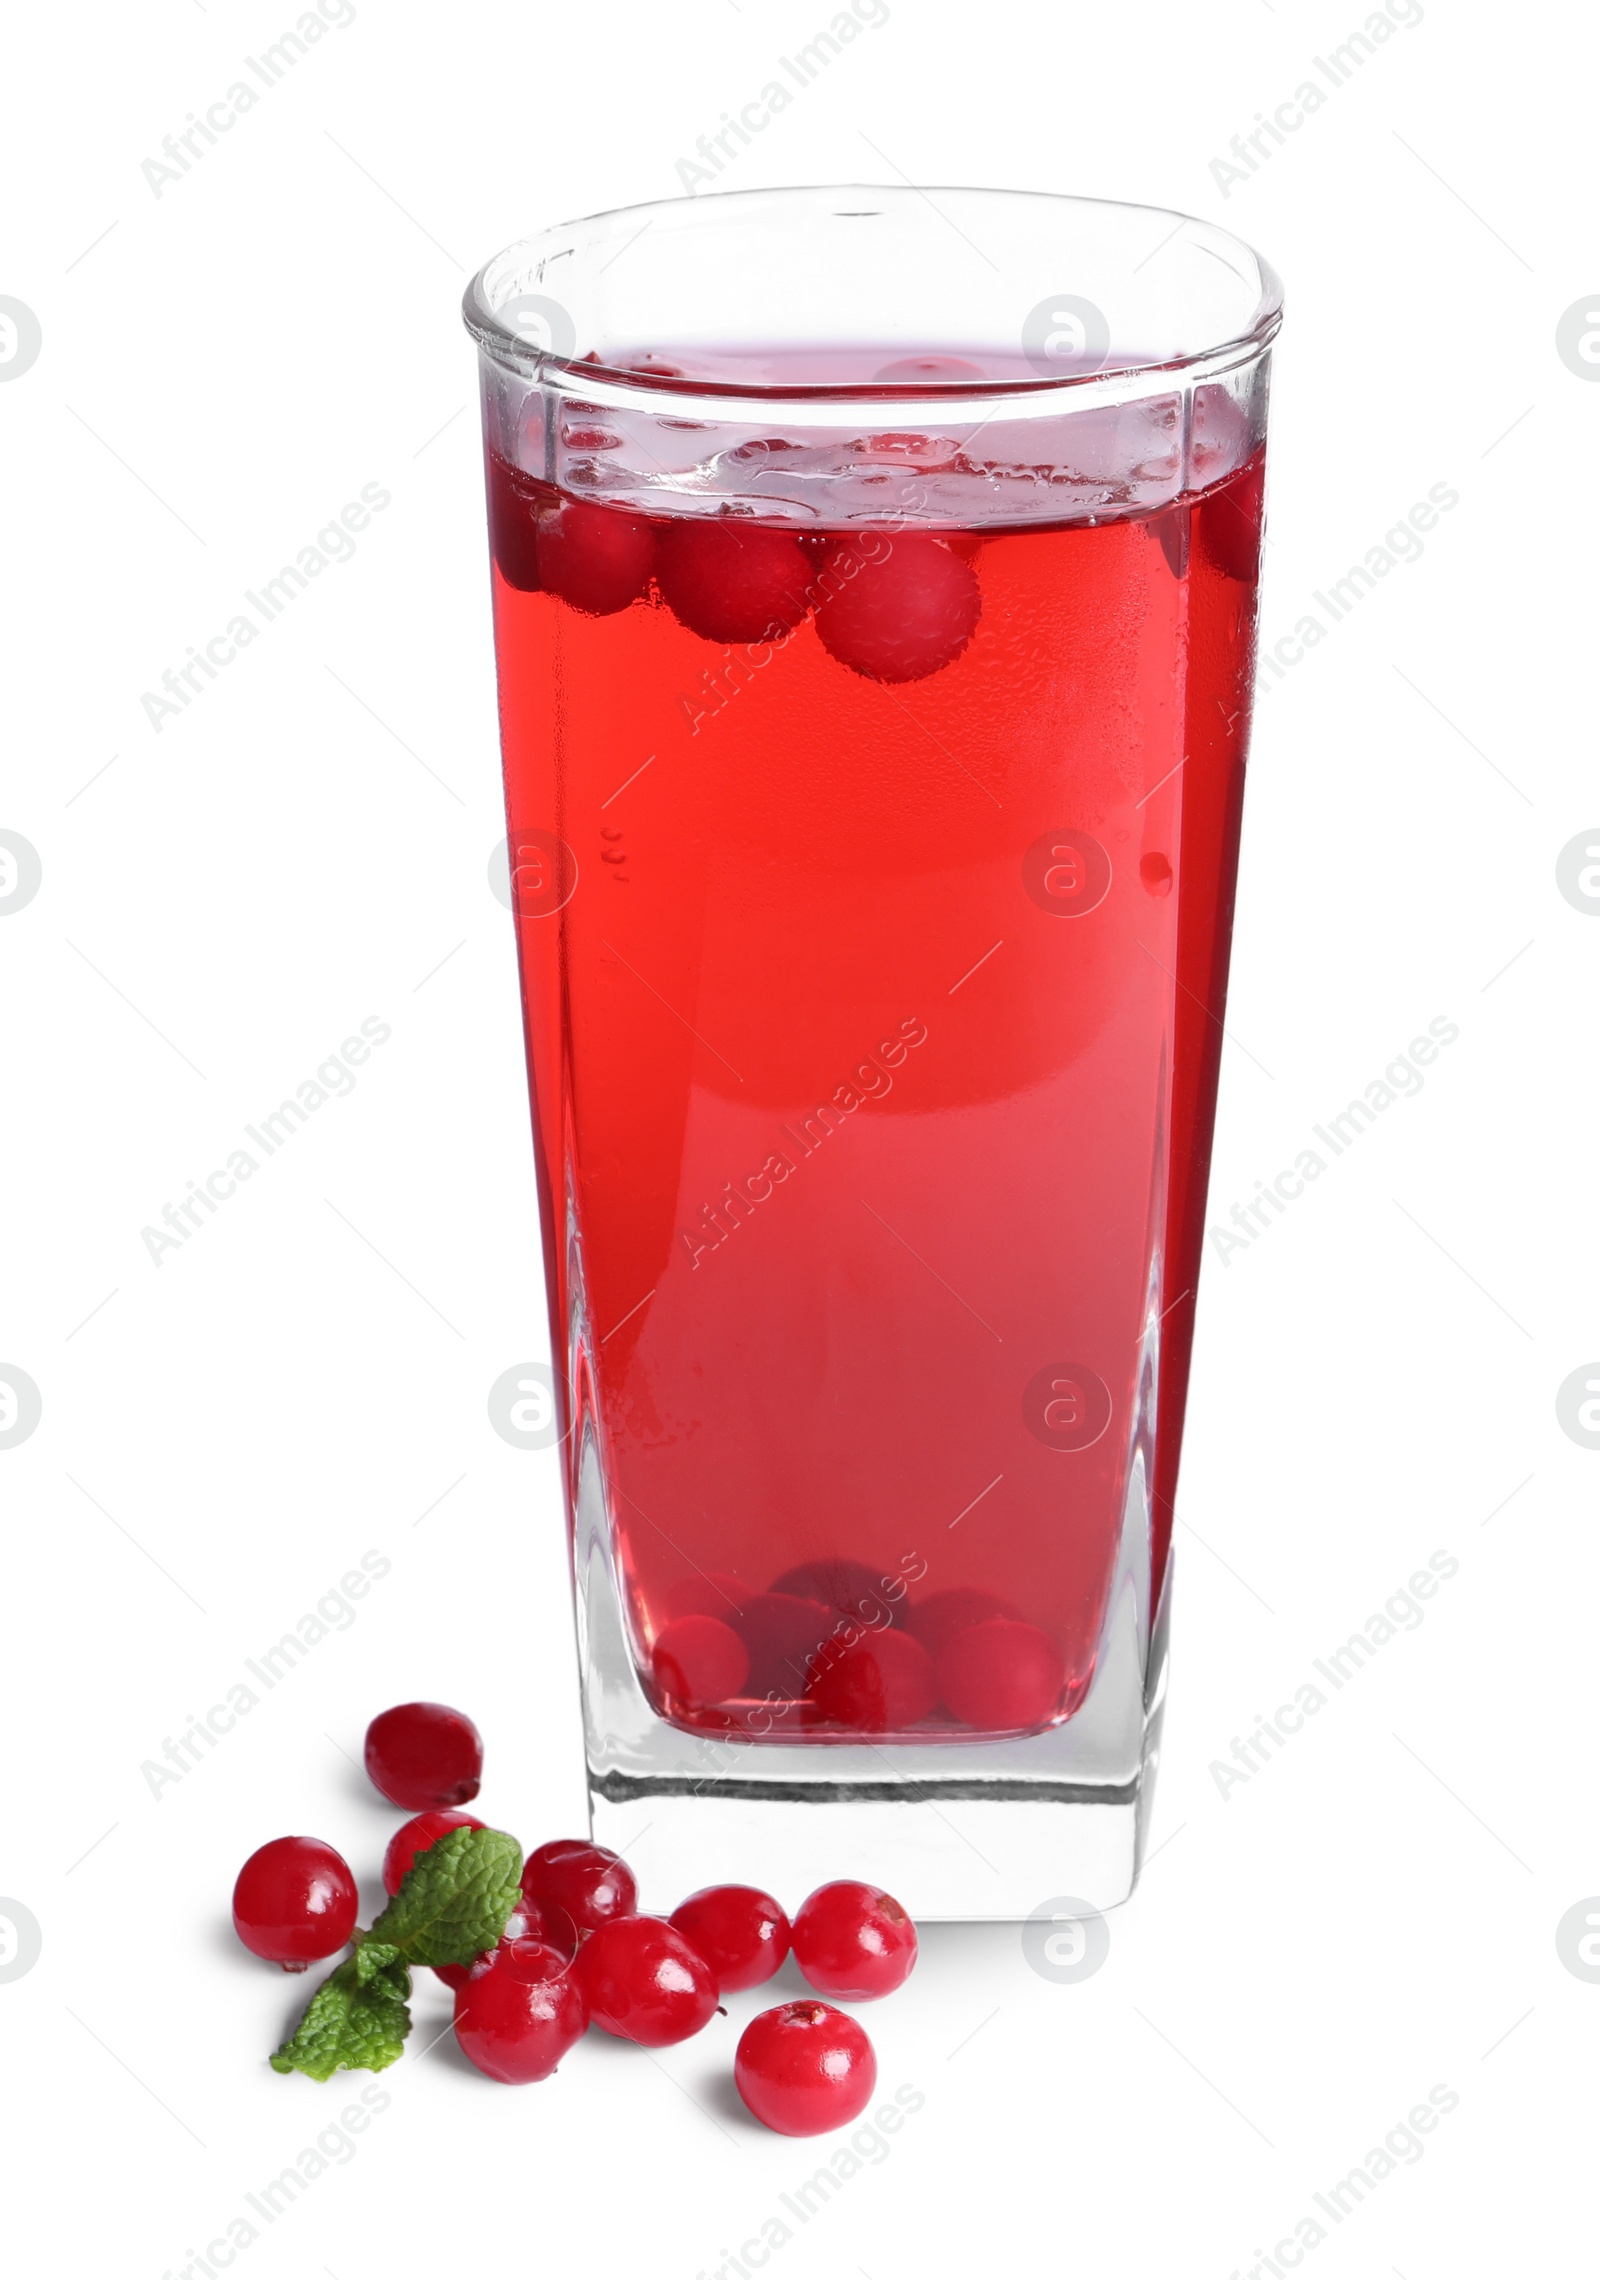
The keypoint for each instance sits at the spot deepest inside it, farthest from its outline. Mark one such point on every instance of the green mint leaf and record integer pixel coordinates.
(455, 1899)
(357, 2017)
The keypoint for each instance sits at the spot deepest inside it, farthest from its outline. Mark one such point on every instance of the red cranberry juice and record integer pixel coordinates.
(873, 897)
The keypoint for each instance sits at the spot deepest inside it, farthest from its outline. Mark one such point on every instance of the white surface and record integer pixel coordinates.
(1370, 1915)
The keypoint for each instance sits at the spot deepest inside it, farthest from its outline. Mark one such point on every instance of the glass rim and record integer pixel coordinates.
(515, 352)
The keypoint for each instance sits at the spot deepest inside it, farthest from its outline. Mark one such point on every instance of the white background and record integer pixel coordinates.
(1370, 1915)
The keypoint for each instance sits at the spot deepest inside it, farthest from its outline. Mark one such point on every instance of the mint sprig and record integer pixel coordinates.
(453, 1905)
(357, 2017)
(455, 1899)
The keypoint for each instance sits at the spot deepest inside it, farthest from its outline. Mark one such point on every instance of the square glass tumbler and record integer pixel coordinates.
(874, 580)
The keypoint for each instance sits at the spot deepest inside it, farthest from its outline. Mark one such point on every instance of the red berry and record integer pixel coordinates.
(421, 1754)
(730, 580)
(597, 558)
(854, 1941)
(781, 1634)
(294, 1902)
(415, 1836)
(878, 1685)
(513, 529)
(938, 1617)
(805, 2068)
(518, 2016)
(1230, 521)
(1000, 1676)
(742, 1933)
(849, 1587)
(578, 1886)
(896, 608)
(698, 1661)
(645, 1982)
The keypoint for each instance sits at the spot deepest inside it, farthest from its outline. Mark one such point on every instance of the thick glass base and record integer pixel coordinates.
(981, 1830)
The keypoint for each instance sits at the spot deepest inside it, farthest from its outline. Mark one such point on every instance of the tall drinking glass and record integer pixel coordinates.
(874, 581)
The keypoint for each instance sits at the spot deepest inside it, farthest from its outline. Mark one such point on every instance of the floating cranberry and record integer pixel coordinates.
(880, 1684)
(597, 558)
(730, 580)
(938, 1617)
(781, 1633)
(513, 526)
(742, 1933)
(294, 1902)
(578, 1886)
(415, 1836)
(1230, 521)
(519, 2016)
(896, 607)
(699, 1661)
(645, 1982)
(805, 2068)
(854, 1941)
(1000, 1677)
(422, 1753)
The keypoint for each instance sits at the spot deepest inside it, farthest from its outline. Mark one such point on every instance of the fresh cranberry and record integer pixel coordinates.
(896, 608)
(1230, 521)
(877, 1685)
(699, 1660)
(645, 1982)
(513, 527)
(577, 1886)
(1000, 1676)
(849, 1587)
(711, 1594)
(518, 2016)
(742, 1933)
(523, 1923)
(421, 1754)
(938, 1617)
(781, 1633)
(854, 1941)
(415, 1836)
(730, 580)
(294, 1902)
(597, 558)
(805, 2068)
